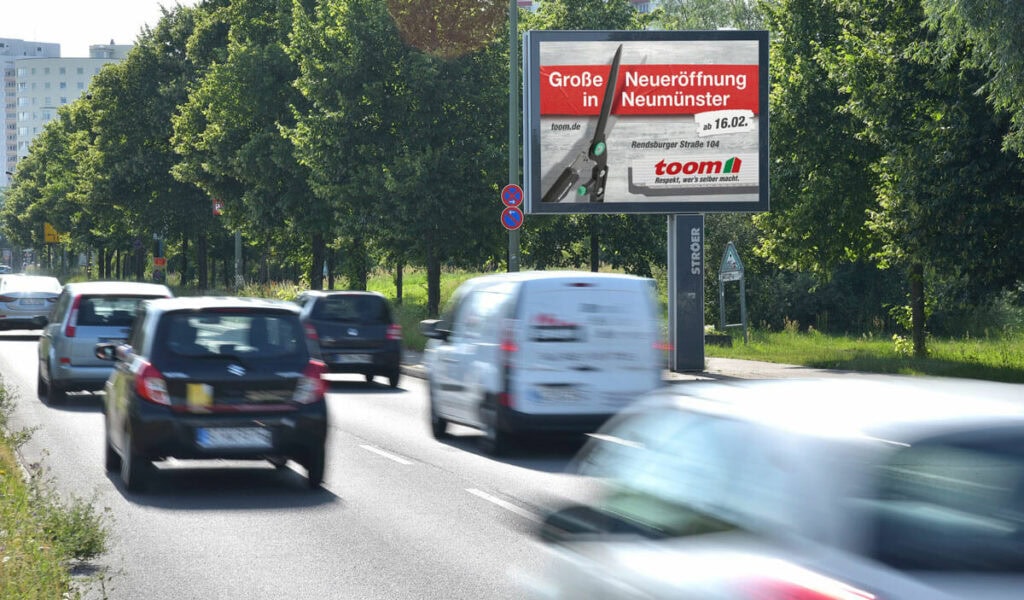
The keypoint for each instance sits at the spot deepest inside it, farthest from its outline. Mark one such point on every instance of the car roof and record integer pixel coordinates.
(897, 409)
(200, 303)
(325, 293)
(117, 287)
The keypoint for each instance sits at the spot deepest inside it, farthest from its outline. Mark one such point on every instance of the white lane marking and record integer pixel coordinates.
(522, 512)
(387, 455)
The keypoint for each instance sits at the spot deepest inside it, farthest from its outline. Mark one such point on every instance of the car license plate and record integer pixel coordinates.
(559, 394)
(233, 437)
(352, 359)
(31, 302)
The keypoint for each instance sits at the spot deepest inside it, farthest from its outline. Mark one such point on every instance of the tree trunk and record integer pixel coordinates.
(917, 316)
(595, 247)
(360, 269)
(331, 268)
(433, 282)
(201, 245)
(399, 267)
(316, 270)
(184, 260)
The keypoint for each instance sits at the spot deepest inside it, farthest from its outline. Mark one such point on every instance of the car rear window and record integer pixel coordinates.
(235, 335)
(356, 308)
(30, 283)
(953, 504)
(108, 311)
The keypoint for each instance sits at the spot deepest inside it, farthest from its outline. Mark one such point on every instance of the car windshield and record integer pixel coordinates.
(234, 336)
(359, 308)
(952, 504)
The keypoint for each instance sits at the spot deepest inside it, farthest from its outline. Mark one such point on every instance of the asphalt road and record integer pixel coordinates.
(400, 515)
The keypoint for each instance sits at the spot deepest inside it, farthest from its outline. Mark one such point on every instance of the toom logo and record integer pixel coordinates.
(698, 167)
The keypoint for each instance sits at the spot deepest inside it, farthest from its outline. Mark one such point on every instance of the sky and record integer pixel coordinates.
(78, 24)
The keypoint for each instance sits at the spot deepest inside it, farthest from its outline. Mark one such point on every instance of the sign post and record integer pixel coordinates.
(732, 270)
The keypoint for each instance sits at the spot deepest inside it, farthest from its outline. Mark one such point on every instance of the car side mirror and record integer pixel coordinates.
(112, 351)
(436, 329)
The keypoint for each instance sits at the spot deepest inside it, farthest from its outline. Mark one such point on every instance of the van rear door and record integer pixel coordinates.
(587, 344)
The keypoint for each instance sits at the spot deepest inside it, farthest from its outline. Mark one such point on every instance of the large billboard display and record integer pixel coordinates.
(645, 121)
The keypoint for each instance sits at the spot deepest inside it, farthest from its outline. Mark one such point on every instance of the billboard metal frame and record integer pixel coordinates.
(679, 159)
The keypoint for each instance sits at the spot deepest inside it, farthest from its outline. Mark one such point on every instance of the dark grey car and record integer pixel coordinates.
(357, 332)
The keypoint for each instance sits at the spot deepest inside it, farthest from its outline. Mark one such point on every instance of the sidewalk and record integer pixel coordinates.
(717, 369)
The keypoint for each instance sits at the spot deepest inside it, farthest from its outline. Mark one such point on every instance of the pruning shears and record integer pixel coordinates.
(597, 152)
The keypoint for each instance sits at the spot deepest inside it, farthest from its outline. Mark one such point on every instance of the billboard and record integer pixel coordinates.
(645, 121)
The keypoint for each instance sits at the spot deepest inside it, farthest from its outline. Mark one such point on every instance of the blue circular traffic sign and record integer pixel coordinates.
(512, 218)
(512, 195)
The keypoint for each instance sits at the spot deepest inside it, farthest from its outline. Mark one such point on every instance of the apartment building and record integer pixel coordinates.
(38, 81)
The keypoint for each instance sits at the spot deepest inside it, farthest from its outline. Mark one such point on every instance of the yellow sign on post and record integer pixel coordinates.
(50, 234)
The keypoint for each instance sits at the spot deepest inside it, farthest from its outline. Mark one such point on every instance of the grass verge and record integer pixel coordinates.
(995, 358)
(42, 536)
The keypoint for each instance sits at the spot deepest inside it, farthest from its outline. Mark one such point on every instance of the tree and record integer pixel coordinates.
(133, 192)
(991, 29)
(401, 139)
(229, 134)
(938, 160)
(708, 14)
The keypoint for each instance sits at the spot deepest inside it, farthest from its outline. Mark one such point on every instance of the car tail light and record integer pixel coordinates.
(311, 333)
(150, 385)
(394, 331)
(69, 329)
(790, 582)
(7, 298)
(311, 386)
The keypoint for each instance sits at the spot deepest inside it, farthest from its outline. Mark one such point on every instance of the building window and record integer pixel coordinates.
(81, 85)
(79, 70)
(62, 70)
(63, 85)
(63, 99)
(22, 71)
(46, 70)
(46, 85)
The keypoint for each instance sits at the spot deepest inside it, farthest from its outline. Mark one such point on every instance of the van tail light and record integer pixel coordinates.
(69, 329)
(151, 386)
(311, 385)
(394, 331)
(790, 582)
(508, 350)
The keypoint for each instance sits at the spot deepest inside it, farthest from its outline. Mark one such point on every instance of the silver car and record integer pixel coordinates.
(855, 487)
(85, 314)
(26, 300)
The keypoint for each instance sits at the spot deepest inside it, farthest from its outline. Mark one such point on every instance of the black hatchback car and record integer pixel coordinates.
(357, 332)
(206, 377)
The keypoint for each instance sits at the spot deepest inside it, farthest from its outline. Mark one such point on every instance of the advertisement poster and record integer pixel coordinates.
(646, 121)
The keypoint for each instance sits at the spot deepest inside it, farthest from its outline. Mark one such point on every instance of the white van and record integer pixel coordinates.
(541, 352)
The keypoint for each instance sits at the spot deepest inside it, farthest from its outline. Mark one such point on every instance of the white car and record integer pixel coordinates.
(854, 488)
(542, 352)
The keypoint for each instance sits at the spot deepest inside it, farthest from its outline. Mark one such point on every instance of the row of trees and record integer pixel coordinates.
(360, 133)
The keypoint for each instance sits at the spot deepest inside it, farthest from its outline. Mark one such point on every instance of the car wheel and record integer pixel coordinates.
(55, 394)
(494, 441)
(40, 385)
(394, 377)
(315, 467)
(134, 467)
(111, 459)
(438, 425)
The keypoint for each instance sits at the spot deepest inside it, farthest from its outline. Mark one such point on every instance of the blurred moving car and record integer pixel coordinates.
(357, 332)
(4, 269)
(852, 488)
(206, 377)
(540, 352)
(85, 314)
(26, 300)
